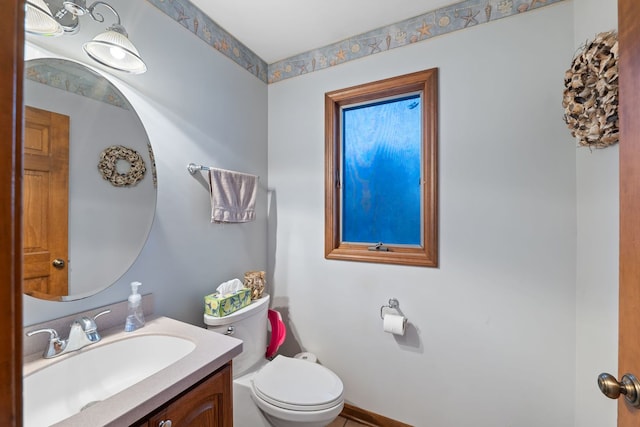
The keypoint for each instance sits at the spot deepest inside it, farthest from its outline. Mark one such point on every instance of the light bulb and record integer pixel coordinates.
(117, 52)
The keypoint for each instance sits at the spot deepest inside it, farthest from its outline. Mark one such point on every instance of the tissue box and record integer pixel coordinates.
(217, 305)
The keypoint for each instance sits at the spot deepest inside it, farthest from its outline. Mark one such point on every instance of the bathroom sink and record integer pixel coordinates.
(84, 378)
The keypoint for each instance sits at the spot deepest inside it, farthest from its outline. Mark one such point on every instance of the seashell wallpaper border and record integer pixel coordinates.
(58, 74)
(457, 16)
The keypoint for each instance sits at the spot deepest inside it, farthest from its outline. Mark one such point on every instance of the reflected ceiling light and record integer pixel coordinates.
(40, 20)
(111, 48)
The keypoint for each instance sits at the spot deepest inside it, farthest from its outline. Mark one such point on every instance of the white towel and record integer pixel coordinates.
(233, 196)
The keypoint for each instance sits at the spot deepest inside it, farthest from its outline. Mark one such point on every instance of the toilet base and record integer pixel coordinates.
(323, 420)
(246, 412)
(283, 423)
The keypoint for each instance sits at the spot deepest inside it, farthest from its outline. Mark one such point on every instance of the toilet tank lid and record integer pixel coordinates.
(252, 309)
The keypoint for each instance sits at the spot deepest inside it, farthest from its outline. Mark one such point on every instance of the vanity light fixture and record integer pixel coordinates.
(111, 48)
(40, 21)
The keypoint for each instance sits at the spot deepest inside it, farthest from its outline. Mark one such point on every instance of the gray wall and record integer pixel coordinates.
(494, 325)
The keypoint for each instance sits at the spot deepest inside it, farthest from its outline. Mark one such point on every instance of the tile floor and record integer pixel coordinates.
(343, 422)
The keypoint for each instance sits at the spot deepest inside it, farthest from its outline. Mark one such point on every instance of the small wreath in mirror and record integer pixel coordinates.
(590, 98)
(117, 154)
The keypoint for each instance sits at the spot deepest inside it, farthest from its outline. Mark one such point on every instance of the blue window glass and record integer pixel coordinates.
(381, 172)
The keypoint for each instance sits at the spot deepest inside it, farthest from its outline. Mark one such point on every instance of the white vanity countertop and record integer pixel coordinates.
(212, 351)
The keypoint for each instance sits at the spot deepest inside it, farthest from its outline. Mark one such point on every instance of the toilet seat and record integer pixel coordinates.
(298, 385)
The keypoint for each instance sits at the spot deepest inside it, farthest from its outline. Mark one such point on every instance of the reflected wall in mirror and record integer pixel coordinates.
(73, 114)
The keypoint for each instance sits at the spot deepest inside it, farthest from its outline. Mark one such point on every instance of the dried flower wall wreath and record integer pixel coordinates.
(591, 93)
(108, 166)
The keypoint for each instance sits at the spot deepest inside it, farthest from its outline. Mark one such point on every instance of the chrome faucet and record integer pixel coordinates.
(83, 332)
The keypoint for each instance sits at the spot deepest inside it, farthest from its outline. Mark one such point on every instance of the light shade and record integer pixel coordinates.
(113, 49)
(39, 20)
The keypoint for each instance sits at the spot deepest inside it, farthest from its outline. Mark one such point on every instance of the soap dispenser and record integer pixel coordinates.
(135, 317)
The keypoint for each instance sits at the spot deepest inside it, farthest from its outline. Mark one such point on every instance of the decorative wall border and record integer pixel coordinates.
(458, 16)
(193, 19)
(57, 73)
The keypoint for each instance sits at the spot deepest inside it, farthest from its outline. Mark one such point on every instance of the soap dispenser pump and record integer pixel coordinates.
(135, 316)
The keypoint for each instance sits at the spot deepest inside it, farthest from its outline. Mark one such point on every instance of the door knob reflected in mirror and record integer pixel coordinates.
(628, 385)
(58, 263)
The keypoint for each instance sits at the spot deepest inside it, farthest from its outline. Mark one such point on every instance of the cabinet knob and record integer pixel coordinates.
(165, 423)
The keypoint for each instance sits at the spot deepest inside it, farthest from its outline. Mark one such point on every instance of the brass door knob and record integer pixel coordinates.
(628, 385)
(58, 263)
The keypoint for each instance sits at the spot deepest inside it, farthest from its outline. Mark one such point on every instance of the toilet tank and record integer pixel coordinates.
(248, 324)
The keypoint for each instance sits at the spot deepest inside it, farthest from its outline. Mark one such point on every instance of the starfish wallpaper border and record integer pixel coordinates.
(447, 19)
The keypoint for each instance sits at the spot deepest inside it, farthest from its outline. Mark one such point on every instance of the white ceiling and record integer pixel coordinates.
(279, 29)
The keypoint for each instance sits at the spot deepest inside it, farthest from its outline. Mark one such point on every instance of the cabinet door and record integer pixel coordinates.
(208, 404)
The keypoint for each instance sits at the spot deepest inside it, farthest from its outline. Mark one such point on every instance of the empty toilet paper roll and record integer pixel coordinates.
(394, 324)
(309, 357)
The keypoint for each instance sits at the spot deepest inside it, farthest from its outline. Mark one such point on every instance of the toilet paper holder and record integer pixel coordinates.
(393, 304)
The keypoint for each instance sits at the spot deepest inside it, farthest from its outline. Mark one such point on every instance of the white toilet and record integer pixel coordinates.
(284, 392)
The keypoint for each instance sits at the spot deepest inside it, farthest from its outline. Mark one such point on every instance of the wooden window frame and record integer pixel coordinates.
(426, 255)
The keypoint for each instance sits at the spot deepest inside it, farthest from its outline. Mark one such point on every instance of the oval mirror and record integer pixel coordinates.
(89, 184)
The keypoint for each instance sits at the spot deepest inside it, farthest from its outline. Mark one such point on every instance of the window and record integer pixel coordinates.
(381, 171)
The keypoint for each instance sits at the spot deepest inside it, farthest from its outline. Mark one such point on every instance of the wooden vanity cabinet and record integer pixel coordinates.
(208, 403)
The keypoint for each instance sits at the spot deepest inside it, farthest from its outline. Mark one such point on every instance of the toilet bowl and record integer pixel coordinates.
(283, 392)
(294, 392)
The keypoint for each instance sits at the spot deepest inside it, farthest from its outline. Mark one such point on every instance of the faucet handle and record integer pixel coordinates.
(101, 313)
(55, 344)
(89, 326)
(53, 335)
(86, 323)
